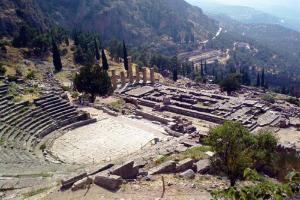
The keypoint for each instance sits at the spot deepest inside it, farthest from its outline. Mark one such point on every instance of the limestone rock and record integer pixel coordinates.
(167, 167)
(202, 166)
(184, 165)
(110, 182)
(126, 171)
(82, 184)
(188, 174)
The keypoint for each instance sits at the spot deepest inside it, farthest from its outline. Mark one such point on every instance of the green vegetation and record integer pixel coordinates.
(35, 192)
(105, 65)
(237, 149)
(260, 187)
(196, 153)
(118, 105)
(43, 147)
(230, 83)
(293, 100)
(1, 142)
(269, 98)
(93, 81)
(56, 56)
(125, 56)
(2, 70)
(31, 75)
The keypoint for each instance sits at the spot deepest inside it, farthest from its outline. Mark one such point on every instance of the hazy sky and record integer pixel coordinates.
(258, 3)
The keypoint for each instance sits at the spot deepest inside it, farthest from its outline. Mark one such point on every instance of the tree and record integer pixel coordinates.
(97, 53)
(175, 74)
(56, 56)
(258, 80)
(237, 149)
(230, 83)
(263, 78)
(94, 81)
(125, 56)
(105, 65)
(232, 144)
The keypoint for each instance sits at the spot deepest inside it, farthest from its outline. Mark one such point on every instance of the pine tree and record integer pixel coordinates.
(105, 65)
(263, 78)
(125, 56)
(97, 53)
(56, 56)
(258, 83)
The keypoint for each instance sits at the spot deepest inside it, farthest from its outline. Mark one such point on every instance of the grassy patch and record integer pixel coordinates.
(196, 153)
(1, 142)
(35, 192)
(118, 105)
(43, 147)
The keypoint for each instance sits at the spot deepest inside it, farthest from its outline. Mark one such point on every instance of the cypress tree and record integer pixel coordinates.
(175, 74)
(56, 56)
(263, 78)
(97, 53)
(258, 80)
(105, 65)
(205, 67)
(125, 56)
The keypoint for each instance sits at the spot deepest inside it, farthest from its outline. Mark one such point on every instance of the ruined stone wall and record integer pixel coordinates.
(152, 117)
(195, 114)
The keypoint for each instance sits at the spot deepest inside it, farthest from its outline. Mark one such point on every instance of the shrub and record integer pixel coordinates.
(269, 98)
(2, 69)
(31, 75)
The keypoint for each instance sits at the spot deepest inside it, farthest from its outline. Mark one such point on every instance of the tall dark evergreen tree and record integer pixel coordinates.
(175, 74)
(105, 65)
(125, 56)
(205, 67)
(263, 78)
(56, 56)
(97, 53)
(258, 83)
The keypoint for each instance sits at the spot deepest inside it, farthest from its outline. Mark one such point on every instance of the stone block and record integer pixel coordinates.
(82, 184)
(185, 165)
(188, 174)
(109, 182)
(202, 166)
(126, 171)
(167, 167)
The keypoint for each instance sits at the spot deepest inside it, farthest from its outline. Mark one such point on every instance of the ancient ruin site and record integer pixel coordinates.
(147, 136)
(149, 100)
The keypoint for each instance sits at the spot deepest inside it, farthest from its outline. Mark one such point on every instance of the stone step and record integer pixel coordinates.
(62, 105)
(15, 112)
(61, 111)
(62, 102)
(37, 123)
(47, 101)
(44, 97)
(14, 119)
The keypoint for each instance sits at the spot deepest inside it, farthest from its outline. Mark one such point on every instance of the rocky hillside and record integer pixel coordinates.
(15, 12)
(161, 24)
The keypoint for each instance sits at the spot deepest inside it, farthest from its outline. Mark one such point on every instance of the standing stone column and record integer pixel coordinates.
(152, 77)
(144, 75)
(114, 79)
(123, 79)
(130, 71)
(137, 76)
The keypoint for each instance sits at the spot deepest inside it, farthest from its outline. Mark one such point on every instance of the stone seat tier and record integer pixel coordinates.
(28, 121)
(14, 112)
(44, 97)
(62, 102)
(4, 131)
(47, 101)
(61, 111)
(62, 105)
(36, 123)
(12, 108)
(13, 119)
